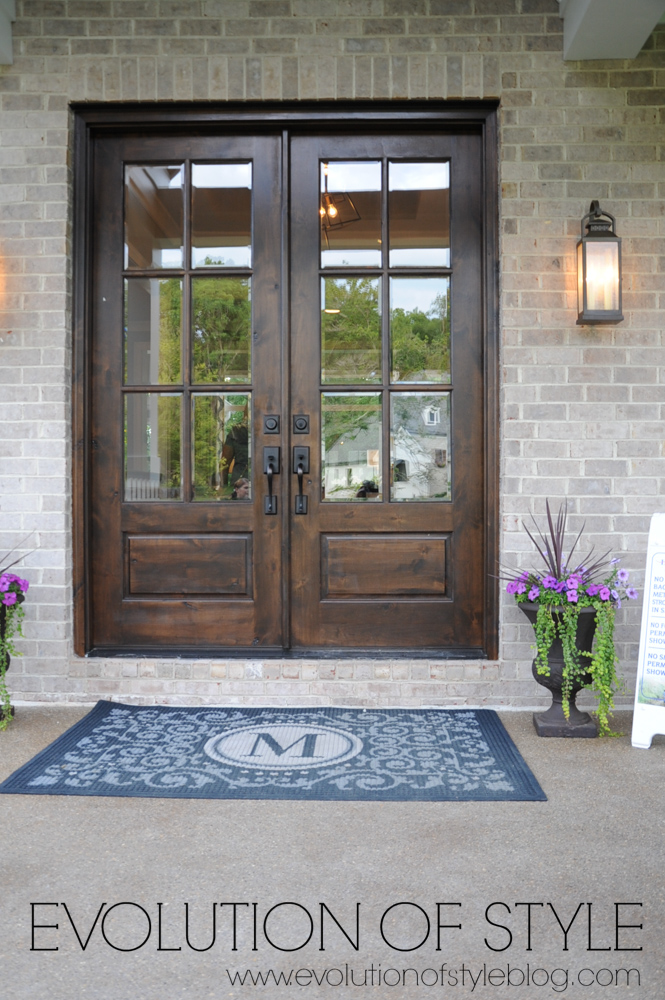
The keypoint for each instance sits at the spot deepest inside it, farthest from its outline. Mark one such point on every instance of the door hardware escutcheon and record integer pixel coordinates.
(271, 423)
(270, 469)
(301, 423)
(300, 468)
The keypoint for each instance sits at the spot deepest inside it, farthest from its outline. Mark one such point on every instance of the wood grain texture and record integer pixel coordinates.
(383, 565)
(189, 564)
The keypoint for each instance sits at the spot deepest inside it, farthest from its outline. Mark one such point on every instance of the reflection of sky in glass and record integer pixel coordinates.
(416, 293)
(167, 258)
(352, 176)
(222, 175)
(418, 176)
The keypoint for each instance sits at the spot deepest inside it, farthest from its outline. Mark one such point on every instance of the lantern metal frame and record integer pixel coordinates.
(600, 228)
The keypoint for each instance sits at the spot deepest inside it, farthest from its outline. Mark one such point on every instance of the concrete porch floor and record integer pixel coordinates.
(599, 840)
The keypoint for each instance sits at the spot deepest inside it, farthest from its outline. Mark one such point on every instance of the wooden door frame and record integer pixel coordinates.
(94, 120)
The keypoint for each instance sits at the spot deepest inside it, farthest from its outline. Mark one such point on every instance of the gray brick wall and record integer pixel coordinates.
(582, 408)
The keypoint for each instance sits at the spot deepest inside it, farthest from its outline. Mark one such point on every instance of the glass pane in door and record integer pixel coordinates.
(154, 216)
(152, 446)
(221, 438)
(420, 329)
(351, 446)
(351, 330)
(221, 329)
(221, 215)
(420, 467)
(350, 214)
(419, 214)
(153, 313)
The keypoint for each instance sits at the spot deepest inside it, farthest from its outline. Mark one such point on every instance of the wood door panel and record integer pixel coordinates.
(232, 622)
(383, 565)
(395, 517)
(394, 624)
(189, 564)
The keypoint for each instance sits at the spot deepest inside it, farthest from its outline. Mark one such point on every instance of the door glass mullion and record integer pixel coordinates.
(385, 332)
(188, 487)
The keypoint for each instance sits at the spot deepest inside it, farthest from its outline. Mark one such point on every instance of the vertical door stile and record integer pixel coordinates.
(285, 381)
(187, 436)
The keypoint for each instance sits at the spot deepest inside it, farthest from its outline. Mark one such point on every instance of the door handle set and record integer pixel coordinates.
(271, 468)
(300, 467)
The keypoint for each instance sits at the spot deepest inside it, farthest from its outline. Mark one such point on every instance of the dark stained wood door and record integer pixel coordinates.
(387, 357)
(186, 356)
(324, 295)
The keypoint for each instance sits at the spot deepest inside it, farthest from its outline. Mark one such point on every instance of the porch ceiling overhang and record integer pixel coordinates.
(607, 29)
(7, 15)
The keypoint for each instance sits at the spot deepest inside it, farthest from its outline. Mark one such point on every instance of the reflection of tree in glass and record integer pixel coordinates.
(344, 417)
(351, 338)
(221, 321)
(170, 300)
(168, 420)
(421, 343)
(213, 420)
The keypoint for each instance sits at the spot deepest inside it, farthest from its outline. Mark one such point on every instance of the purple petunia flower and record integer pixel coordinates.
(560, 587)
(9, 598)
(615, 595)
(623, 575)
(592, 589)
(631, 593)
(511, 588)
(4, 582)
(534, 593)
(572, 596)
(549, 582)
(521, 587)
(604, 593)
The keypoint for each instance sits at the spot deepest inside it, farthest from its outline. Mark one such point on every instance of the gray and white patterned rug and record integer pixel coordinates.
(341, 754)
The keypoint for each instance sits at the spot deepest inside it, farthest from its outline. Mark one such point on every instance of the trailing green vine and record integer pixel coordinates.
(11, 625)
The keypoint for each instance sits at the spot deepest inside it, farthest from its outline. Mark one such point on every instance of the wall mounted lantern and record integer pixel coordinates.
(599, 269)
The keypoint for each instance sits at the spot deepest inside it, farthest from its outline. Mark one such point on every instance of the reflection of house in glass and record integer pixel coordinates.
(419, 446)
(352, 468)
(351, 446)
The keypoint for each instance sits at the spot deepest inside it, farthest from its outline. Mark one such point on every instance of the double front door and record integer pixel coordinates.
(287, 403)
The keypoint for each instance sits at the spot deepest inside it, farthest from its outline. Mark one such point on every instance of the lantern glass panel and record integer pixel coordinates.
(602, 275)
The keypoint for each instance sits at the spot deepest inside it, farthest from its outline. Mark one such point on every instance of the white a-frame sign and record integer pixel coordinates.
(649, 717)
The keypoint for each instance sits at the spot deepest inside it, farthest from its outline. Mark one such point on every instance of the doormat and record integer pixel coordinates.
(340, 754)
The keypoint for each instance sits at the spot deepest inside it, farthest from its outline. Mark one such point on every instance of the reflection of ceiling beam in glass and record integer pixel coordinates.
(153, 209)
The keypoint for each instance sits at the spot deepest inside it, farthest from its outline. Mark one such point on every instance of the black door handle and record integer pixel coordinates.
(300, 467)
(270, 469)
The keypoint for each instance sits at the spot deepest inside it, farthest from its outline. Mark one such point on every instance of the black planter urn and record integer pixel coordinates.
(553, 722)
